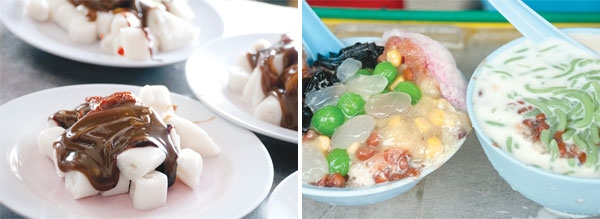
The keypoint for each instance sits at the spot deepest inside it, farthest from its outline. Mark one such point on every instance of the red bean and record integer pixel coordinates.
(380, 177)
(393, 156)
(373, 140)
(403, 163)
(582, 157)
(336, 180)
(540, 116)
(364, 153)
(332, 180)
(309, 135)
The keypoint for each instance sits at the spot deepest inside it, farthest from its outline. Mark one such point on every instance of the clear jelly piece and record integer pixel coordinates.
(348, 68)
(356, 129)
(385, 105)
(324, 97)
(366, 85)
(314, 164)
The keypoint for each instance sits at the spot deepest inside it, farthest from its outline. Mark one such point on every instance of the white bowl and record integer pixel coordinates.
(370, 194)
(559, 193)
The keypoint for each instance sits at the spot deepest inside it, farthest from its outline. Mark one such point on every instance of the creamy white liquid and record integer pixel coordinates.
(504, 82)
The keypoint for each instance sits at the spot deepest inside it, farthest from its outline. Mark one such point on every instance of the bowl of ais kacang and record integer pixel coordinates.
(535, 110)
(378, 117)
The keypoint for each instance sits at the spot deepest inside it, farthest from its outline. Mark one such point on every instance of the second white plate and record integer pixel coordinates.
(50, 37)
(207, 75)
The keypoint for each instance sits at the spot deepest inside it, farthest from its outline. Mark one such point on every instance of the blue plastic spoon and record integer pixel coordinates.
(316, 36)
(531, 24)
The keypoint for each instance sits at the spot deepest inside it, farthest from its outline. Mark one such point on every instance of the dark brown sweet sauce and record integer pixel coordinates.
(284, 86)
(138, 7)
(103, 127)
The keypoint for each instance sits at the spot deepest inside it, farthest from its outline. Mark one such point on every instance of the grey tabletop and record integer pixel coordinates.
(467, 186)
(25, 69)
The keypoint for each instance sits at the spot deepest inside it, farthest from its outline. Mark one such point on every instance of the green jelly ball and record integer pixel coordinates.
(387, 70)
(364, 71)
(411, 89)
(351, 104)
(339, 161)
(327, 119)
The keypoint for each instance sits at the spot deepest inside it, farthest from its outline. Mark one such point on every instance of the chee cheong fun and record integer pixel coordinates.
(541, 104)
(126, 144)
(374, 114)
(134, 29)
(267, 77)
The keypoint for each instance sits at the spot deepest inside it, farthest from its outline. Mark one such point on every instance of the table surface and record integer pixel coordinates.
(25, 69)
(467, 186)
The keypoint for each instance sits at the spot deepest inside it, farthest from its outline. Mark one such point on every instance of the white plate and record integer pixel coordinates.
(233, 183)
(50, 37)
(207, 74)
(283, 202)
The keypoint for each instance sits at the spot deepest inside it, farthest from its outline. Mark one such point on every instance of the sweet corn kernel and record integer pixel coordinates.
(396, 82)
(394, 57)
(394, 121)
(438, 117)
(434, 147)
(323, 143)
(353, 147)
(422, 124)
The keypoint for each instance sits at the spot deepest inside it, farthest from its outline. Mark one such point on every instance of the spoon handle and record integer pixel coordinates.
(529, 23)
(316, 36)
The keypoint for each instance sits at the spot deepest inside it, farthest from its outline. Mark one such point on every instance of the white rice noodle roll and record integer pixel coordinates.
(156, 4)
(46, 139)
(37, 9)
(158, 97)
(78, 185)
(59, 172)
(193, 137)
(103, 23)
(176, 139)
(180, 8)
(139, 161)
(242, 62)
(54, 4)
(269, 110)
(135, 44)
(149, 192)
(278, 63)
(126, 34)
(252, 93)
(154, 43)
(122, 187)
(171, 31)
(261, 44)
(189, 167)
(81, 30)
(65, 14)
(51, 123)
(82, 9)
(124, 19)
(116, 43)
(111, 41)
(107, 43)
(238, 77)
